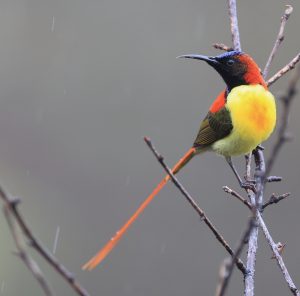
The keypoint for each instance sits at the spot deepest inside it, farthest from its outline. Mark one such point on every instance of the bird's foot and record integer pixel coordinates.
(249, 185)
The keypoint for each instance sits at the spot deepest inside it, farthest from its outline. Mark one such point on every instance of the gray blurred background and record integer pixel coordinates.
(81, 83)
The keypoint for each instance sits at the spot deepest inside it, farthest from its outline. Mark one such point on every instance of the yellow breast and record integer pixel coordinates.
(253, 114)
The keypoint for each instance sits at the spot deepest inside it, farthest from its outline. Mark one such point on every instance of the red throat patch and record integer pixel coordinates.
(219, 102)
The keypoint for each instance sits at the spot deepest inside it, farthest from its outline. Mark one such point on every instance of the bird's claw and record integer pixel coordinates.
(250, 185)
(251, 181)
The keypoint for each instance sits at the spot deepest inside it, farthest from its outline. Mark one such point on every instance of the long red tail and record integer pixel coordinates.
(92, 263)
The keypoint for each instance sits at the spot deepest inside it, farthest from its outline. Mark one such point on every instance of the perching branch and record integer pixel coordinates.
(28, 261)
(192, 202)
(280, 37)
(11, 205)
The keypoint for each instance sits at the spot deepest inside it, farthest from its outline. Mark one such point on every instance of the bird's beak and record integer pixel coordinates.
(210, 60)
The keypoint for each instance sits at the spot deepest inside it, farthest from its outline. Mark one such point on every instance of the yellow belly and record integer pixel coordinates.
(253, 115)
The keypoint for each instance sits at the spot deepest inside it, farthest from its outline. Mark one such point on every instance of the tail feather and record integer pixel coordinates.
(92, 263)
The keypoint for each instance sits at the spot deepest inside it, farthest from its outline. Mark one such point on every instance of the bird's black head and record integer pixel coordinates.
(235, 67)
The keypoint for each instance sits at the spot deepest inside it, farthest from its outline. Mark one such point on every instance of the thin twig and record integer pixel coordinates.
(275, 199)
(192, 202)
(12, 206)
(278, 257)
(238, 196)
(281, 135)
(222, 46)
(28, 261)
(291, 65)
(234, 25)
(237, 253)
(279, 39)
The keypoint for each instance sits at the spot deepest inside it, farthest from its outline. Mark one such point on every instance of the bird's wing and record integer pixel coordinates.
(215, 126)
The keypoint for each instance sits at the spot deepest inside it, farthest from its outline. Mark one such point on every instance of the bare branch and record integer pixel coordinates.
(11, 205)
(275, 199)
(280, 37)
(238, 196)
(28, 261)
(234, 25)
(237, 253)
(222, 46)
(192, 202)
(291, 65)
(278, 257)
(281, 134)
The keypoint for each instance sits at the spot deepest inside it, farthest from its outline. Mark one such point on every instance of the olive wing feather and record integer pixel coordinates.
(214, 127)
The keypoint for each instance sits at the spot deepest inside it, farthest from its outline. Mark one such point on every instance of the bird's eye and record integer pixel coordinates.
(230, 62)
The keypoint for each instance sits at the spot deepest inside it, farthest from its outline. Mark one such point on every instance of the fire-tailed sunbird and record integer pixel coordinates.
(241, 117)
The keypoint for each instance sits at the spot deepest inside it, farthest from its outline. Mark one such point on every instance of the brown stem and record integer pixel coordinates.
(238, 196)
(288, 67)
(222, 46)
(28, 261)
(192, 202)
(12, 207)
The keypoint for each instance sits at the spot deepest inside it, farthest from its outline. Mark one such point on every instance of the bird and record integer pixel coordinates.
(241, 117)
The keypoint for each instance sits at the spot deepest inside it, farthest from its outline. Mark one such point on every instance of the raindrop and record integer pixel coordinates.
(53, 24)
(56, 240)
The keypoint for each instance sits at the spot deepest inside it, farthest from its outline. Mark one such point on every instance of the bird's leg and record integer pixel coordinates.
(247, 184)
